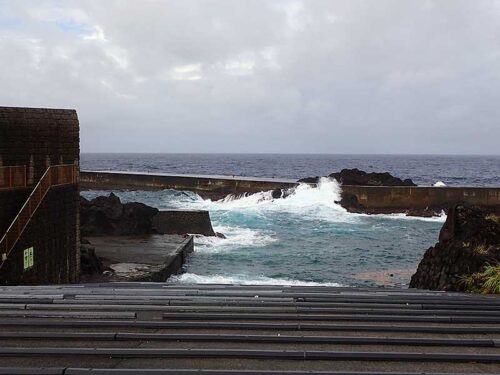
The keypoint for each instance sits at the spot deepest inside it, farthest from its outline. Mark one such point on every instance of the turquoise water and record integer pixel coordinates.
(303, 239)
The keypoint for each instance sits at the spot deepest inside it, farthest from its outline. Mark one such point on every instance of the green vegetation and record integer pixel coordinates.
(486, 282)
(481, 249)
(493, 217)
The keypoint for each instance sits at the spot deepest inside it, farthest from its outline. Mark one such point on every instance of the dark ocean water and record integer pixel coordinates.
(422, 169)
(305, 238)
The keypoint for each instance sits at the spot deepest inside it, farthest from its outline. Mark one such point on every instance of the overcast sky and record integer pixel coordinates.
(261, 76)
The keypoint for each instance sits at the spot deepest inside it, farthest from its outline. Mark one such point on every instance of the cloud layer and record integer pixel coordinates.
(316, 76)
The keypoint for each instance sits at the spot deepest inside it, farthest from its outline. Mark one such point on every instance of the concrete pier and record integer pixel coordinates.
(141, 258)
(216, 187)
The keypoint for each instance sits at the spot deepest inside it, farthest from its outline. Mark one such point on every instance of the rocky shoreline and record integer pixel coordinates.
(107, 216)
(467, 254)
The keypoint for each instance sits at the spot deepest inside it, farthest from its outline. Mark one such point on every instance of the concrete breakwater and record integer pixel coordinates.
(383, 198)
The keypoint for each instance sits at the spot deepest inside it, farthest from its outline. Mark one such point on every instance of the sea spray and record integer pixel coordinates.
(241, 279)
(303, 238)
(304, 201)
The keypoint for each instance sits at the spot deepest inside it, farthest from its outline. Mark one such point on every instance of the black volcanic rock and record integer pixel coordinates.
(350, 202)
(362, 178)
(89, 262)
(108, 216)
(276, 193)
(309, 180)
(468, 242)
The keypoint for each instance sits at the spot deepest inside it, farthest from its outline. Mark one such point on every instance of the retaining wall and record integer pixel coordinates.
(220, 186)
(183, 222)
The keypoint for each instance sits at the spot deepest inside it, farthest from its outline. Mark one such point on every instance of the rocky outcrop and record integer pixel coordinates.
(310, 180)
(90, 263)
(362, 178)
(357, 177)
(108, 216)
(469, 241)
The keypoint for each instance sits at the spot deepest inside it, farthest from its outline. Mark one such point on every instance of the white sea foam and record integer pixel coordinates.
(192, 278)
(306, 201)
(236, 237)
(439, 184)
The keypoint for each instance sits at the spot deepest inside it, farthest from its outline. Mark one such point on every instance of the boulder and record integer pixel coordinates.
(350, 202)
(362, 178)
(277, 193)
(469, 241)
(309, 180)
(89, 262)
(108, 216)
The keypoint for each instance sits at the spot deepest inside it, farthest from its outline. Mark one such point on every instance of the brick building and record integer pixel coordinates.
(39, 196)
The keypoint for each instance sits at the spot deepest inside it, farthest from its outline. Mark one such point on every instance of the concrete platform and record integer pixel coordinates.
(141, 258)
(160, 328)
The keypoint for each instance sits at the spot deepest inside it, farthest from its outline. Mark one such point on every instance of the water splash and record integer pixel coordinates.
(192, 278)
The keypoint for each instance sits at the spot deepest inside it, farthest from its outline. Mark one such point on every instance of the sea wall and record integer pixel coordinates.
(214, 187)
(183, 222)
(376, 197)
(402, 197)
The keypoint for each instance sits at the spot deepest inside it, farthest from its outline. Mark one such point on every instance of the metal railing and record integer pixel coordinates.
(12, 176)
(55, 175)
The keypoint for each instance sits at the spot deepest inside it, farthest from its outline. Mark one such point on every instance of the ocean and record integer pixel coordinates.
(305, 239)
(422, 169)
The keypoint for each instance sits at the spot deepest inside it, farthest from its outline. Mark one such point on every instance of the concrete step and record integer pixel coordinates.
(126, 328)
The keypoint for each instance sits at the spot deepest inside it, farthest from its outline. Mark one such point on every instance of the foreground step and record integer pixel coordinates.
(252, 354)
(95, 371)
(128, 328)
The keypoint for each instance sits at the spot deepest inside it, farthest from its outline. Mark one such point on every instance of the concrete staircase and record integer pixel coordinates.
(156, 328)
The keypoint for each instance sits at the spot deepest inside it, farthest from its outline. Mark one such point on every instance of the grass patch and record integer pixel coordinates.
(481, 249)
(486, 282)
(494, 218)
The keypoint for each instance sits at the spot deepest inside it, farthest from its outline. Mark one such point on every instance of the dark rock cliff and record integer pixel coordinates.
(362, 178)
(109, 216)
(469, 241)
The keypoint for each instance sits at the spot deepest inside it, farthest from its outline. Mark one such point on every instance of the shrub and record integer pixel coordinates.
(487, 281)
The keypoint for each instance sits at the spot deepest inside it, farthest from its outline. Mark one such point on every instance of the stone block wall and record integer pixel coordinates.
(38, 138)
(183, 222)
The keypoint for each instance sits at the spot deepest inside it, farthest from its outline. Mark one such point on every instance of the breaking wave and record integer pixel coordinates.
(305, 201)
(192, 278)
(236, 237)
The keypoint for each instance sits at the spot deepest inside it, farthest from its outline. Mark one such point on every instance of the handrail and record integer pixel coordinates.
(55, 175)
(12, 176)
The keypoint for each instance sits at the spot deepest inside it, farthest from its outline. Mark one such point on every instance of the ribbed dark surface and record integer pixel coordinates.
(126, 328)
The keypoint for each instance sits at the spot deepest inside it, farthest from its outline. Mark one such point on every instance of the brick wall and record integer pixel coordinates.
(38, 138)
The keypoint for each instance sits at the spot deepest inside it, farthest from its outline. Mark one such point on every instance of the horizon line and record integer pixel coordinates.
(276, 153)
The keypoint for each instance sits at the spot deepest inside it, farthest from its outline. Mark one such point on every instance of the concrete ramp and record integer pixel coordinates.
(158, 328)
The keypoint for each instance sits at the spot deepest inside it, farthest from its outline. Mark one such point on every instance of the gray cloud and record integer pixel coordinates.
(323, 76)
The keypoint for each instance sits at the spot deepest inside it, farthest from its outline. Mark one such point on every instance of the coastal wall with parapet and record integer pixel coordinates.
(213, 187)
(376, 197)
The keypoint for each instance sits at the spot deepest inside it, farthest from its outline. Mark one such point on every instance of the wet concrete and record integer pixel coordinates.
(141, 258)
